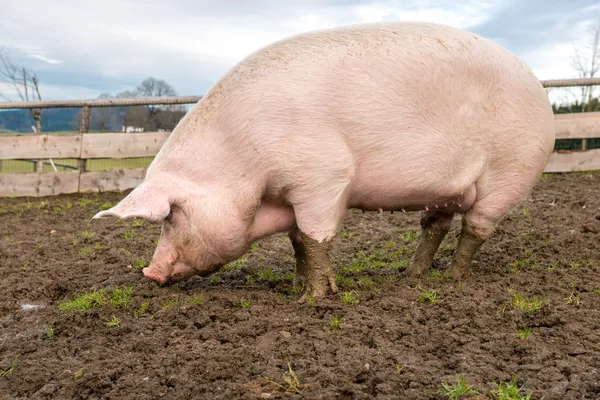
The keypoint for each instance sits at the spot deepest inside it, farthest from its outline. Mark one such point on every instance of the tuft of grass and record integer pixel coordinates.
(295, 290)
(529, 261)
(345, 235)
(555, 265)
(85, 251)
(8, 372)
(509, 391)
(458, 389)
(290, 384)
(437, 275)
(597, 291)
(366, 281)
(335, 323)
(523, 303)
(215, 278)
(128, 235)
(524, 333)
(50, 330)
(118, 298)
(243, 303)
(265, 275)
(350, 298)
(85, 301)
(105, 206)
(139, 263)
(574, 298)
(409, 237)
(114, 322)
(144, 307)
(355, 267)
(429, 296)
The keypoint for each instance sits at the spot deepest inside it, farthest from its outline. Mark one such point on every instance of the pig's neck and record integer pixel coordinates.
(215, 163)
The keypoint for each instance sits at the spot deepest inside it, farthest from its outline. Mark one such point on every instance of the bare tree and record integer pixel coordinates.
(587, 64)
(152, 87)
(24, 82)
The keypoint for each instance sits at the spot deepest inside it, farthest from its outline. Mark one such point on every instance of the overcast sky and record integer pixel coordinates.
(83, 48)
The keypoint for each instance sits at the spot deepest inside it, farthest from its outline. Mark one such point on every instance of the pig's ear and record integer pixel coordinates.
(145, 201)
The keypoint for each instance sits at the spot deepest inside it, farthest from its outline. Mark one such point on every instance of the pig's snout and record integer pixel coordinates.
(170, 272)
(152, 273)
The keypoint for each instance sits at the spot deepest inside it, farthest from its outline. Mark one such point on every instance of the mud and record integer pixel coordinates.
(220, 336)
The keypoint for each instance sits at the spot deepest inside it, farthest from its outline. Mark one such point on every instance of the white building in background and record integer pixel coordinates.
(129, 129)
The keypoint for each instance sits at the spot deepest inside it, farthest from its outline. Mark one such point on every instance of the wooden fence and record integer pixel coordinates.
(86, 146)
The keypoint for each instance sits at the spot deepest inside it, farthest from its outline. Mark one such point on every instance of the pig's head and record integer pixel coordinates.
(201, 230)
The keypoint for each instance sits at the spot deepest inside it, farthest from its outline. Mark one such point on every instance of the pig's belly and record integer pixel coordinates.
(376, 193)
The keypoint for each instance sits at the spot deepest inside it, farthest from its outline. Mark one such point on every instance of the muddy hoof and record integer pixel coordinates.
(319, 290)
(416, 270)
(456, 272)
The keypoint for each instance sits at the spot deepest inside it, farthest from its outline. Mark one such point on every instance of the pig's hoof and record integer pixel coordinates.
(456, 271)
(319, 289)
(416, 270)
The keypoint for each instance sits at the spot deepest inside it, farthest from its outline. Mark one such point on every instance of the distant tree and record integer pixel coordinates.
(152, 87)
(586, 62)
(22, 81)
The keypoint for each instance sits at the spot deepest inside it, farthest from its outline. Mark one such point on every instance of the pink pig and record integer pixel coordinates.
(387, 116)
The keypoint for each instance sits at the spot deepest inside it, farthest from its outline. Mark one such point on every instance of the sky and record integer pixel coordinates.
(80, 49)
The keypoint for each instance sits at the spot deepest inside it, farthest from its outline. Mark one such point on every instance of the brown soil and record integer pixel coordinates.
(389, 346)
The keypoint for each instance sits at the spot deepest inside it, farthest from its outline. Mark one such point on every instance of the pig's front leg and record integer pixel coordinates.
(320, 278)
(300, 255)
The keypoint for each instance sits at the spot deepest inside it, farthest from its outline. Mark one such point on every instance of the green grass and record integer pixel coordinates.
(117, 298)
(429, 296)
(524, 333)
(50, 331)
(350, 298)
(139, 263)
(290, 384)
(523, 303)
(335, 323)
(265, 275)
(8, 372)
(243, 303)
(114, 322)
(456, 390)
(509, 391)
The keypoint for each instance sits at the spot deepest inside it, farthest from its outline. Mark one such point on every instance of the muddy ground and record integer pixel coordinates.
(232, 335)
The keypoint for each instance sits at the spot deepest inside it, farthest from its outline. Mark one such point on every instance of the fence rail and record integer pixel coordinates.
(84, 146)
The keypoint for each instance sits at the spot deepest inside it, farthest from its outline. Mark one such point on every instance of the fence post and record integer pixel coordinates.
(84, 127)
(584, 144)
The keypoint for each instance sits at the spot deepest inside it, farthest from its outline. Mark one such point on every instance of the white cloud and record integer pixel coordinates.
(45, 59)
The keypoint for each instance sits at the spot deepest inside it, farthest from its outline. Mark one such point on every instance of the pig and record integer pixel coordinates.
(394, 116)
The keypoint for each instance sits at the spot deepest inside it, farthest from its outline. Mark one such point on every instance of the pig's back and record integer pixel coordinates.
(409, 97)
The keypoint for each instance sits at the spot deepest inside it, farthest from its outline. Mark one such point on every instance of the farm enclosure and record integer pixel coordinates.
(78, 319)
(530, 309)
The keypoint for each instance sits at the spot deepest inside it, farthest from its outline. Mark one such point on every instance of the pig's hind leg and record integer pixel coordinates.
(300, 256)
(435, 225)
(502, 193)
